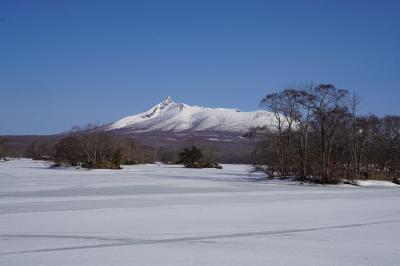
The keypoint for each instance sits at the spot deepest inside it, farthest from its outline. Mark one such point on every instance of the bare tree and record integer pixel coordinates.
(304, 103)
(284, 107)
(328, 108)
(320, 136)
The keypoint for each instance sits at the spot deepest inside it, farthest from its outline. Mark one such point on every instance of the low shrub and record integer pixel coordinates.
(193, 158)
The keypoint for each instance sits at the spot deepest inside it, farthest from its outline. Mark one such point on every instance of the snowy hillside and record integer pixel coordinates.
(177, 117)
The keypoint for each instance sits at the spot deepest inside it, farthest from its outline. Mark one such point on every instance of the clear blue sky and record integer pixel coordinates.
(65, 63)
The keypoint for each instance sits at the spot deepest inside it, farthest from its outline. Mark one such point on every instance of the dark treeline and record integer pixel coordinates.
(99, 149)
(40, 150)
(4, 150)
(103, 150)
(320, 136)
(93, 150)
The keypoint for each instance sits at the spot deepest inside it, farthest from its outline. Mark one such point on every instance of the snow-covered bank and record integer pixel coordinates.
(376, 183)
(168, 215)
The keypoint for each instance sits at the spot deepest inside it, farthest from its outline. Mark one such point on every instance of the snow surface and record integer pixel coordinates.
(375, 183)
(175, 117)
(168, 215)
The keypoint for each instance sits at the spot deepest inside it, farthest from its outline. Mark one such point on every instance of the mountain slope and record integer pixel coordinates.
(169, 116)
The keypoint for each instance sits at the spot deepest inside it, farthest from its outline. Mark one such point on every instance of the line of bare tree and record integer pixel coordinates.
(99, 149)
(319, 135)
(93, 149)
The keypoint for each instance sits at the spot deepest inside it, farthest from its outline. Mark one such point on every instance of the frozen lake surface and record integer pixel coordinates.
(168, 215)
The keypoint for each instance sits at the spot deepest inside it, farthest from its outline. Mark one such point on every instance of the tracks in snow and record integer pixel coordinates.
(115, 242)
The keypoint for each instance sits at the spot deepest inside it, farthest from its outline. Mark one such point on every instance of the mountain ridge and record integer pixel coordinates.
(168, 116)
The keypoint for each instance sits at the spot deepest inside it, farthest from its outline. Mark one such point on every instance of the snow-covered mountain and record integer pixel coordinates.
(169, 116)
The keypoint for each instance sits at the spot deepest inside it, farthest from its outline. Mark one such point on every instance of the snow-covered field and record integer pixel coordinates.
(167, 215)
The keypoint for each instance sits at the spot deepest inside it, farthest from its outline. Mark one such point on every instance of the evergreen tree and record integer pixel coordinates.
(191, 157)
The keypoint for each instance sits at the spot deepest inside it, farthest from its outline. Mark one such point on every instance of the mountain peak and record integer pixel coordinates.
(168, 100)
